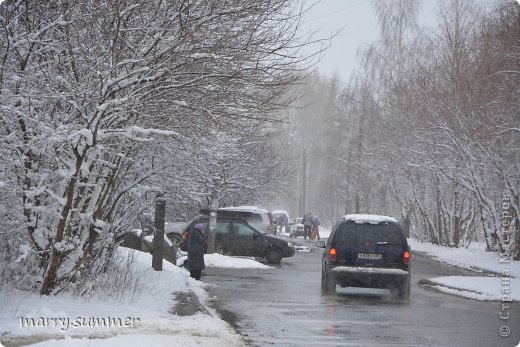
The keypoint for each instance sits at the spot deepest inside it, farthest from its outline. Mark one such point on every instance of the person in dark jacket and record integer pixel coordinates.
(283, 222)
(315, 228)
(307, 225)
(196, 247)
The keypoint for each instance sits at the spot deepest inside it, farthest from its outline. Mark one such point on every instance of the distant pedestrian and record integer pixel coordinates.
(307, 225)
(315, 228)
(283, 222)
(196, 244)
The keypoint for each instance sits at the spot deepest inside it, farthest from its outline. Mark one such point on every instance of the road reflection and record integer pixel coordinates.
(331, 317)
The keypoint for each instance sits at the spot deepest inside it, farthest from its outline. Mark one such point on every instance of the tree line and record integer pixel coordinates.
(427, 129)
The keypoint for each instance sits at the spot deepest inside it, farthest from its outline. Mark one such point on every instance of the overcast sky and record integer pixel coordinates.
(359, 23)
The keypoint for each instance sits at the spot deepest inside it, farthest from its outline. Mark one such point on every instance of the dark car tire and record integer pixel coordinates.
(328, 283)
(403, 290)
(273, 255)
(175, 238)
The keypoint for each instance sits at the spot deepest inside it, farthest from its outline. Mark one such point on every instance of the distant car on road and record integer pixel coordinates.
(366, 251)
(297, 228)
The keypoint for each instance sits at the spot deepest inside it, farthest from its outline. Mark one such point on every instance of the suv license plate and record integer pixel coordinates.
(370, 256)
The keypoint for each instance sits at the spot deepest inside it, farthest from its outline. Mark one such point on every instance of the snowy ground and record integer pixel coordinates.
(147, 312)
(498, 276)
(150, 310)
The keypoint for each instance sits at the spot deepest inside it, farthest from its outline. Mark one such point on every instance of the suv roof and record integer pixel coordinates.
(228, 214)
(369, 219)
(244, 208)
(250, 214)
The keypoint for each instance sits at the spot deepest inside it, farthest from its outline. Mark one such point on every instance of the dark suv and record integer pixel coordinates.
(366, 251)
(236, 236)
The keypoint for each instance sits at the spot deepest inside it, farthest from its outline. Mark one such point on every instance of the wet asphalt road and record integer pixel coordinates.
(283, 306)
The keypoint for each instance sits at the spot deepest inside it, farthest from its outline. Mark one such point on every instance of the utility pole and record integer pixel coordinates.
(359, 150)
(158, 238)
(213, 206)
(304, 180)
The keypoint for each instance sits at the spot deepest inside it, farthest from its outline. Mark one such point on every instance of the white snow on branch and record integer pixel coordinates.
(24, 250)
(61, 200)
(111, 103)
(85, 133)
(204, 55)
(180, 103)
(147, 132)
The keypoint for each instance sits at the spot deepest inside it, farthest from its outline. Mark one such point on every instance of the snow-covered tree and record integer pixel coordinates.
(105, 102)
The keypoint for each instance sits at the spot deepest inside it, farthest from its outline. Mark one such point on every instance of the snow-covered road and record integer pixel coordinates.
(160, 302)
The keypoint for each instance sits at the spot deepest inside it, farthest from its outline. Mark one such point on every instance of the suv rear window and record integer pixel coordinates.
(360, 234)
(255, 218)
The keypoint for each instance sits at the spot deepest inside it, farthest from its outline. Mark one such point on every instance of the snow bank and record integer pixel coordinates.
(475, 257)
(141, 340)
(477, 288)
(218, 260)
(65, 320)
(497, 286)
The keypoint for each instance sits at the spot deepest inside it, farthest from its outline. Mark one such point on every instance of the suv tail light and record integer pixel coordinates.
(332, 254)
(185, 234)
(406, 257)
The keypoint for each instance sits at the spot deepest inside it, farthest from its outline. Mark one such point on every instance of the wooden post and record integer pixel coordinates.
(213, 206)
(158, 238)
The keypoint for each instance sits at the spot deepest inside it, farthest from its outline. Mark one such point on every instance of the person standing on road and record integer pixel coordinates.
(307, 225)
(315, 228)
(196, 247)
(283, 223)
